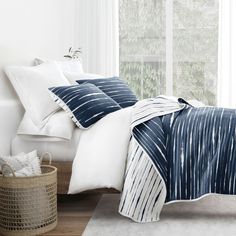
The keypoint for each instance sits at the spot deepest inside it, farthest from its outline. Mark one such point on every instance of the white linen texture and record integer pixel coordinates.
(101, 153)
(72, 77)
(58, 128)
(70, 65)
(31, 85)
(61, 150)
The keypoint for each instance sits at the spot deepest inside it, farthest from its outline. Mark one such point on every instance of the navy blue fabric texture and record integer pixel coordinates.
(86, 104)
(115, 88)
(199, 147)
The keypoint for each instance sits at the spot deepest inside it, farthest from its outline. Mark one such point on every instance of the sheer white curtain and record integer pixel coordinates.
(227, 54)
(97, 33)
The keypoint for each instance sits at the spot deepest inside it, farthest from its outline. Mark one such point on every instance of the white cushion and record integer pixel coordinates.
(72, 77)
(22, 164)
(31, 85)
(12, 161)
(58, 128)
(73, 65)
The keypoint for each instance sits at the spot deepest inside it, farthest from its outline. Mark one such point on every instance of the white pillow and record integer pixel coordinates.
(58, 128)
(12, 161)
(31, 85)
(72, 65)
(22, 164)
(72, 77)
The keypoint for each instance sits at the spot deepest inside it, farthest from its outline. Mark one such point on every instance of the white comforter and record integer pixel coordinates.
(101, 155)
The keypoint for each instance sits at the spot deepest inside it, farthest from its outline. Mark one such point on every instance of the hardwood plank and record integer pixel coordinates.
(74, 213)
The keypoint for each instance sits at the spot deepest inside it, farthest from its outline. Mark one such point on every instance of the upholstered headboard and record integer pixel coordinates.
(29, 29)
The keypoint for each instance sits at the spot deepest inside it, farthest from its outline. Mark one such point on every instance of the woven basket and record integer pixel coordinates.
(28, 205)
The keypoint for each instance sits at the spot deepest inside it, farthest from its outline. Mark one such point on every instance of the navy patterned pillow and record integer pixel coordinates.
(85, 104)
(115, 88)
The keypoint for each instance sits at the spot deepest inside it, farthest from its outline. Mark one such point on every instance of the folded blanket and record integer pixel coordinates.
(177, 152)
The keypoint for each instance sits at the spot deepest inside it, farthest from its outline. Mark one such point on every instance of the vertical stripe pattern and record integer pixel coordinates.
(181, 154)
(201, 147)
(144, 190)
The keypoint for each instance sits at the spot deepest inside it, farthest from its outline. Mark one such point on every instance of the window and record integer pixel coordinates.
(170, 47)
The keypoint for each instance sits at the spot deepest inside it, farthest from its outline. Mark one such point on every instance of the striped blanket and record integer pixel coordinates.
(177, 152)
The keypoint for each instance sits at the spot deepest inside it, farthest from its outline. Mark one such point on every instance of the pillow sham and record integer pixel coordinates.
(73, 65)
(115, 88)
(85, 104)
(58, 128)
(72, 77)
(31, 85)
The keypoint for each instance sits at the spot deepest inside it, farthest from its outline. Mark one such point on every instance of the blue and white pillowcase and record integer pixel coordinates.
(115, 88)
(85, 104)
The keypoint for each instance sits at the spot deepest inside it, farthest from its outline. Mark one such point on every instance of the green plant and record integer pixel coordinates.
(73, 54)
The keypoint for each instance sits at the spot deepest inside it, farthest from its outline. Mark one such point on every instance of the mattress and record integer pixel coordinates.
(60, 150)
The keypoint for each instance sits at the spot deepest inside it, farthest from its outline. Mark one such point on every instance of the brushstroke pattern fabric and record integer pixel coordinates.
(85, 104)
(180, 155)
(144, 190)
(201, 144)
(115, 88)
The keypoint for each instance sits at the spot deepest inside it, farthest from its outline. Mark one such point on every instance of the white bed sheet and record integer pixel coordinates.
(60, 150)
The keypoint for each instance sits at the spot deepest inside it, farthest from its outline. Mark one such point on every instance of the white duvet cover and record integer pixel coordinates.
(101, 155)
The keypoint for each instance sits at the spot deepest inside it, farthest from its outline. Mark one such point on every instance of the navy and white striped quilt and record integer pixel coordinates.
(177, 152)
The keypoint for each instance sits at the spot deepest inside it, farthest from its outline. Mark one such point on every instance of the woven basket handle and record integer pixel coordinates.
(8, 168)
(49, 157)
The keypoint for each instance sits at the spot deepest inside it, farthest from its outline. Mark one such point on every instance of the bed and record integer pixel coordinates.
(154, 151)
(63, 151)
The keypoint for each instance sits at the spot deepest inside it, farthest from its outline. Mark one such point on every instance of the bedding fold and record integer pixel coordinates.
(177, 152)
(144, 190)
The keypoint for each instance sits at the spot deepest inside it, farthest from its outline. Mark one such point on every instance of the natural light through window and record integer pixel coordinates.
(188, 29)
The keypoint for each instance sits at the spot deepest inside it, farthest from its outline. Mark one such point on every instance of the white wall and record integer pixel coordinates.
(47, 28)
(29, 29)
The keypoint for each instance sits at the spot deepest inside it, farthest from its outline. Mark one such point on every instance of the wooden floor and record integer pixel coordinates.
(74, 213)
